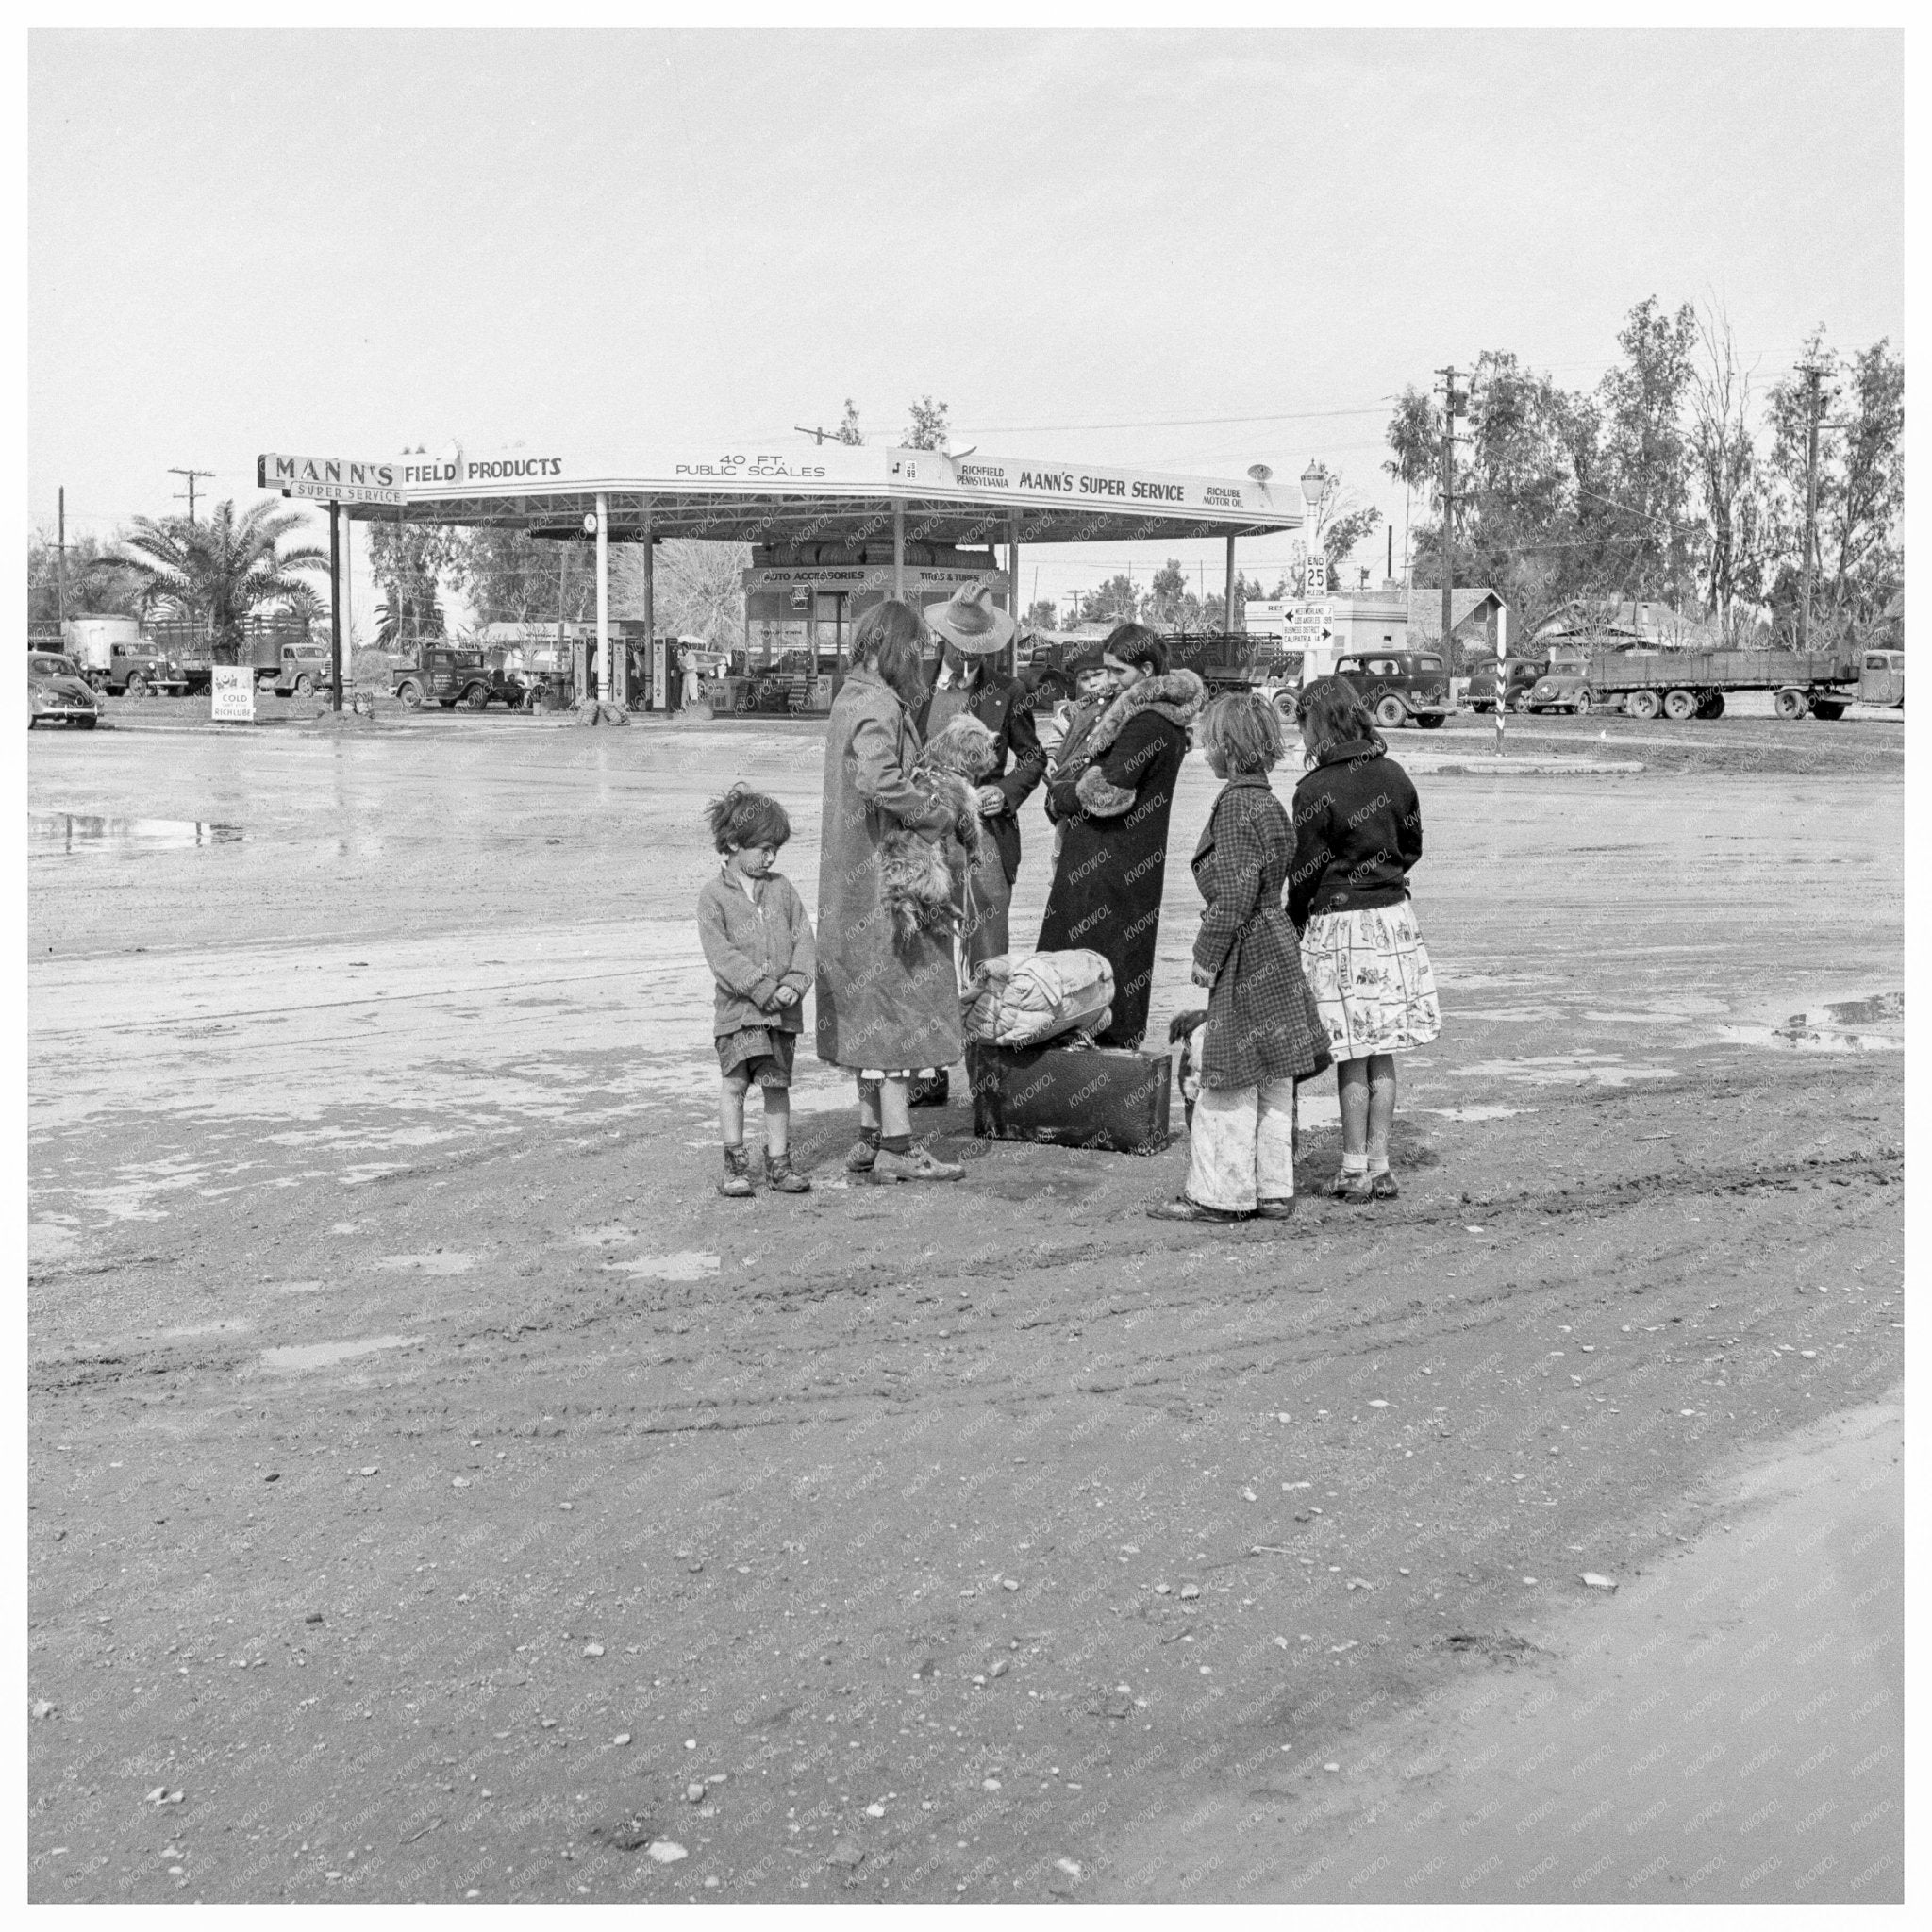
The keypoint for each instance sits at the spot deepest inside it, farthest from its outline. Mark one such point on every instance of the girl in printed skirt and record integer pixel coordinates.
(1359, 831)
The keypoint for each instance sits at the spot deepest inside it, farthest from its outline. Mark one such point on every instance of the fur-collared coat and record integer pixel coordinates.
(884, 1000)
(1107, 885)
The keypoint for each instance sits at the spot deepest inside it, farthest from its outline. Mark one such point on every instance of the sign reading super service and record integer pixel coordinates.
(1083, 483)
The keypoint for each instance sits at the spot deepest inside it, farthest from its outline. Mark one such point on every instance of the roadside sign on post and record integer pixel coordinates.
(1309, 629)
(231, 694)
(1315, 572)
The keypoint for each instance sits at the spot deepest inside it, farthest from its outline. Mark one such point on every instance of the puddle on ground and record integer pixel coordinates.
(1876, 1024)
(52, 834)
(602, 1237)
(1477, 1113)
(688, 1266)
(437, 1263)
(45, 1242)
(1567, 1070)
(325, 1355)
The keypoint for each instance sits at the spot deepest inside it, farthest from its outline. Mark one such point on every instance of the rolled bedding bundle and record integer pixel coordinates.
(1027, 999)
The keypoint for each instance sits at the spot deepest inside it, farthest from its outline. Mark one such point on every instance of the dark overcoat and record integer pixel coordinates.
(1105, 893)
(881, 1002)
(1262, 1021)
(1019, 763)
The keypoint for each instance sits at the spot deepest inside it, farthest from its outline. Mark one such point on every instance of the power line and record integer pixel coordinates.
(1181, 422)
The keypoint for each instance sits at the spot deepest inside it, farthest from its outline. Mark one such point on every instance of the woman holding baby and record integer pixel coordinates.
(888, 997)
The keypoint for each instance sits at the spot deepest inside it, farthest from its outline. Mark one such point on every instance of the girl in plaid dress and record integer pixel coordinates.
(1263, 1032)
(1358, 831)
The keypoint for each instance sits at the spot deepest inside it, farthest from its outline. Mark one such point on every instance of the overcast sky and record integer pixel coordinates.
(1190, 252)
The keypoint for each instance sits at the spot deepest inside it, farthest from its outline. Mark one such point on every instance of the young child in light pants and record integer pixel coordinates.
(1262, 1031)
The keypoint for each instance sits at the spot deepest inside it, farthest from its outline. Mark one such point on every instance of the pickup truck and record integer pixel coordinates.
(291, 670)
(449, 676)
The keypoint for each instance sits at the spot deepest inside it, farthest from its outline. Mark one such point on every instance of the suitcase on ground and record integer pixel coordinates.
(1099, 1097)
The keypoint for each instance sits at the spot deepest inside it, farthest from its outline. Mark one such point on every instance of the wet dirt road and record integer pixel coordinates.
(411, 1423)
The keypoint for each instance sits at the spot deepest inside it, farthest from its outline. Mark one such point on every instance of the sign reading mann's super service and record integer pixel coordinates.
(1077, 484)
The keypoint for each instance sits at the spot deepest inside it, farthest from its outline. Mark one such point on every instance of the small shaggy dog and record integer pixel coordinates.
(919, 878)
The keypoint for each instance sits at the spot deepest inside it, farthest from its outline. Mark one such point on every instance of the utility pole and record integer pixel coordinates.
(1814, 407)
(1452, 403)
(61, 555)
(334, 604)
(190, 475)
(817, 436)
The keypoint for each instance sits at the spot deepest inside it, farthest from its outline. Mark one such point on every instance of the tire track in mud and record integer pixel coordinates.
(1328, 1333)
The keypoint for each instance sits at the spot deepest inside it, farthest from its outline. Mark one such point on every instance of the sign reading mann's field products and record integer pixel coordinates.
(344, 480)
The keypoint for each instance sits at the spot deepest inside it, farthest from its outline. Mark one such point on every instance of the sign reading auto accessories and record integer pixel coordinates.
(860, 577)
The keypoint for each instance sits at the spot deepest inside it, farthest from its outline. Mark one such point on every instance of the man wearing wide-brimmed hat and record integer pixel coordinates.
(973, 633)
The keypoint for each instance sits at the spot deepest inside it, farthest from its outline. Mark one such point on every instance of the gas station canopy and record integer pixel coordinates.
(909, 522)
(833, 495)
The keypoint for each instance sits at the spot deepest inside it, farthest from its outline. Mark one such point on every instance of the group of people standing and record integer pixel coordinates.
(1308, 946)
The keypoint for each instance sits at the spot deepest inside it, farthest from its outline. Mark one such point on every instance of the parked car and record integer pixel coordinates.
(1399, 687)
(56, 694)
(1560, 691)
(1522, 677)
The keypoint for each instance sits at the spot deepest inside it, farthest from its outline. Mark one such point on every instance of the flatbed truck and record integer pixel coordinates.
(1694, 684)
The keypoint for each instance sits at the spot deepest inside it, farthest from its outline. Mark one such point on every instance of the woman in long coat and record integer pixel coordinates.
(1113, 803)
(888, 1006)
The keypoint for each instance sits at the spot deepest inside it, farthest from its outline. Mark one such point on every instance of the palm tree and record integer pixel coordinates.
(222, 572)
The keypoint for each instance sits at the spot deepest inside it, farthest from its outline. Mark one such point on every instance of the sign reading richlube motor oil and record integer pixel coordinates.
(231, 694)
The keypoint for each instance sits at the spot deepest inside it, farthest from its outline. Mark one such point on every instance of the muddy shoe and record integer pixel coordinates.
(1382, 1187)
(861, 1156)
(1352, 1187)
(919, 1165)
(1185, 1209)
(1280, 1208)
(736, 1185)
(782, 1177)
